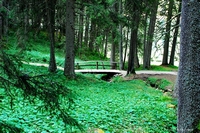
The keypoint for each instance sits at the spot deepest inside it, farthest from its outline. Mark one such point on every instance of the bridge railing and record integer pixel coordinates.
(96, 65)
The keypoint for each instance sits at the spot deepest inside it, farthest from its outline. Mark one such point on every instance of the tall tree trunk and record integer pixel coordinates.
(134, 38)
(148, 43)
(106, 44)
(6, 5)
(70, 36)
(167, 33)
(92, 35)
(98, 41)
(1, 23)
(131, 66)
(80, 30)
(126, 46)
(103, 42)
(189, 69)
(171, 61)
(113, 50)
(1, 27)
(136, 57)
(87, 23)
(114, 38)
(51, 29)
(120, 40)
(145, 27)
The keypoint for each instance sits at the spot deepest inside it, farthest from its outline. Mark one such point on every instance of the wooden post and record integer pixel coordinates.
(103, 65)
(77, 66)
(113, 65)
(97, 65)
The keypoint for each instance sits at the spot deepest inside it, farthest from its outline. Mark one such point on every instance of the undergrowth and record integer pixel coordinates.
(118, 106)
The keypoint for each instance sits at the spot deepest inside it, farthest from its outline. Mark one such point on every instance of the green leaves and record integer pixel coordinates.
(123, 106)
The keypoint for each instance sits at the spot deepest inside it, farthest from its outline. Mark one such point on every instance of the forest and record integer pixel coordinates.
(42, 43)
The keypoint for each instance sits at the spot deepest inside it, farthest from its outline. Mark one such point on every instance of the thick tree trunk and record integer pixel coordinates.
(189, 69)
(1, 27)
(136, 59)
(148, 43)
(134, 39)
(131, 67)
(51, 28)
(5, 17)
(167, 34)
(70, 35)
(172, 55)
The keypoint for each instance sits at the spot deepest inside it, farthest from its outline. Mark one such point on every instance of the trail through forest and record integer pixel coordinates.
(141, 74)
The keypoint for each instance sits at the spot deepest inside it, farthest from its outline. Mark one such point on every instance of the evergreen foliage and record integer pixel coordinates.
(7, 127)
(42, 87)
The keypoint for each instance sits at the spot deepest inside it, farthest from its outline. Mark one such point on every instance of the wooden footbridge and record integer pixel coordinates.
(98, 67)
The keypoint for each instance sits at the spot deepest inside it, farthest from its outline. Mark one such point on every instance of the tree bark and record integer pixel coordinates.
(70, 37)
(131, 67)
(189, 69)
(120, 40)
(113, 50)
(167, 33)
(126, 46)
(1, 27)
(51, 28)
(136, 57)
(134, 38)
(173, 49)
(148, 43)
(92, 35)
(87, 23)
(106, 44)
(80, 30)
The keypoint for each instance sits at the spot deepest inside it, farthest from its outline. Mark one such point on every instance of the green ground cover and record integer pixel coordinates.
(125, 106)
(115, 107)
(120, 106)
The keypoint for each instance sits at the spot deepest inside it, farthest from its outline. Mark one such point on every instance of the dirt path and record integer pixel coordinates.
(143, 74)
(170, 77)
